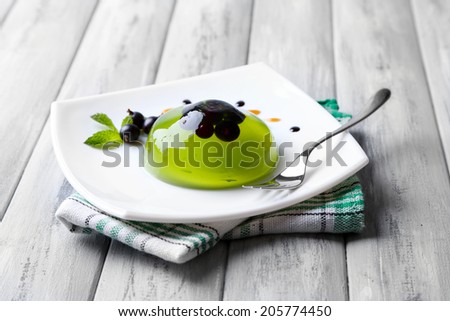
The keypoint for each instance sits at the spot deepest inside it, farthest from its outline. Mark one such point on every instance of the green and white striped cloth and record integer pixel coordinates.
(339, 210)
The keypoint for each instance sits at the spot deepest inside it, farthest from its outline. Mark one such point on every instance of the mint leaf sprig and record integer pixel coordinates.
(109, 138)
(104, 120)
(104, 139)
(127, 120)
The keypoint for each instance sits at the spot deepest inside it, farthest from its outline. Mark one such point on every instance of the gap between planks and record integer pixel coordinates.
(91, 248)
(402, 253)
(5, 8)
(438, 42)
(24, 53)
(291, 267)
(211, 29)
(48, 113)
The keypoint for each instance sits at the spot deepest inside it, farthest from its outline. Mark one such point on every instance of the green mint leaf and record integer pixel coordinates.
(104, 138)
(127, 120)
(104, 120)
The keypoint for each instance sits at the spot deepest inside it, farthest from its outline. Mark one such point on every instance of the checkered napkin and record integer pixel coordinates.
(338, 210)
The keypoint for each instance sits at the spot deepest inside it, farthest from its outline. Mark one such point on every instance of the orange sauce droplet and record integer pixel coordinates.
(166, 110)
(255, 111)
(274, 120)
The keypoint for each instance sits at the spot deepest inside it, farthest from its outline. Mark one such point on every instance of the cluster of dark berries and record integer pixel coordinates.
(130, 132)
(220, 118)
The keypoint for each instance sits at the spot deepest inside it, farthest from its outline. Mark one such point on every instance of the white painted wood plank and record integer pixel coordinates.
(433, 25)
(296, 39)
(123, 46)
(286, 267)
(132, 275)
(206, 37)
(403, 254)
(40, 258)
(35, 54)
(5, 7)
(202, 38)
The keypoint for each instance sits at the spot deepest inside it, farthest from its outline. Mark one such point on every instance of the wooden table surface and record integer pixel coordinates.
(53, 49)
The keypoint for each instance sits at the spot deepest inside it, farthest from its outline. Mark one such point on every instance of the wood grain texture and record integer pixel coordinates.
(132, 275)
(403, 253)
(433, 22)
(123, 46)
(296, 39)
(202, 38)
(35, 54)
(40, 258)
(5, 7)
(286, 267)
(206, 38)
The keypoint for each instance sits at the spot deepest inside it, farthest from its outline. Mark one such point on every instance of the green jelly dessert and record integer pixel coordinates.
(210, 145)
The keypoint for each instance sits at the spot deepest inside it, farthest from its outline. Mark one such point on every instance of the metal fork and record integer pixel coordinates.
(283, 181)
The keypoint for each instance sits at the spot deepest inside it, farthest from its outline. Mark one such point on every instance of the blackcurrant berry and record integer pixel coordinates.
(187, 101)
(227, 131)
(137, 117)
(148, 124)
(205, 130)
(129, 133)
(240, 103)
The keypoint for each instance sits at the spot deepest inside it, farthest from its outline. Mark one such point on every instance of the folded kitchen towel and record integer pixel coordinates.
(338, 210)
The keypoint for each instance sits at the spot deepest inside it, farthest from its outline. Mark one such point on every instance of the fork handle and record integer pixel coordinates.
(378, 100)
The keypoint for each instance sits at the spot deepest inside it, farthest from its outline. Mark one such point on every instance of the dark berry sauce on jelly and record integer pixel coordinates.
(219, 117)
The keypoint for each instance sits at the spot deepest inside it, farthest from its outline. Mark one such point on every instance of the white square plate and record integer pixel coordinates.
(130, 192)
